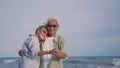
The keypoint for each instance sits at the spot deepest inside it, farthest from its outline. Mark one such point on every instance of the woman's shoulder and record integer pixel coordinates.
(31, 38)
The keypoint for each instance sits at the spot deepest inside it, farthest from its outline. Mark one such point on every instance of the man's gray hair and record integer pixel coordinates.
(51, 18)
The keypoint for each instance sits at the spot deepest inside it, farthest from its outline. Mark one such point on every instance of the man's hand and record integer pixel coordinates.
(55, 51)
(59, 54)
(21, 53)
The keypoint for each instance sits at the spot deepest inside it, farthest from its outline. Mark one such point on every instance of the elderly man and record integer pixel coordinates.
(54, 48)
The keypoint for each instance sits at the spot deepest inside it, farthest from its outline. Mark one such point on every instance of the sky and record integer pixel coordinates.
(90, 27)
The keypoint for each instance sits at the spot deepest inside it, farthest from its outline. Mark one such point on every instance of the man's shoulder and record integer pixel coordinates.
(59, 37)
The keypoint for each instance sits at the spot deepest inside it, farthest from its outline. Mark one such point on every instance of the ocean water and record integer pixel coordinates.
(71, 62)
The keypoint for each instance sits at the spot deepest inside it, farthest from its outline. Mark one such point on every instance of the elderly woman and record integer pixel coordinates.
(30, 49)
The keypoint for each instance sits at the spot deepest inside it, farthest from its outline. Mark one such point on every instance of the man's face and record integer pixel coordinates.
(52, 27)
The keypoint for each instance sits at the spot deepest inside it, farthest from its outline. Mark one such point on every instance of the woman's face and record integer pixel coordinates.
(42, 35)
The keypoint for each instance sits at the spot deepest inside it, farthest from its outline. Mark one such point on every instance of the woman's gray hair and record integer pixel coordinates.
(40, 29)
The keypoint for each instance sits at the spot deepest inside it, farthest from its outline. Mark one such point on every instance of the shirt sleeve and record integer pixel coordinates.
(26, 48)
(63, 45)
(34, 46)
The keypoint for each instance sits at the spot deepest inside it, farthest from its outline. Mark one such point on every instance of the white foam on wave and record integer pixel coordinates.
(116, 62)
(9, 61)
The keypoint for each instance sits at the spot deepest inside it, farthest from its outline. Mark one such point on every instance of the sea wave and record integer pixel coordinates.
(72, 62)
(116, 62)
(10, 61)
